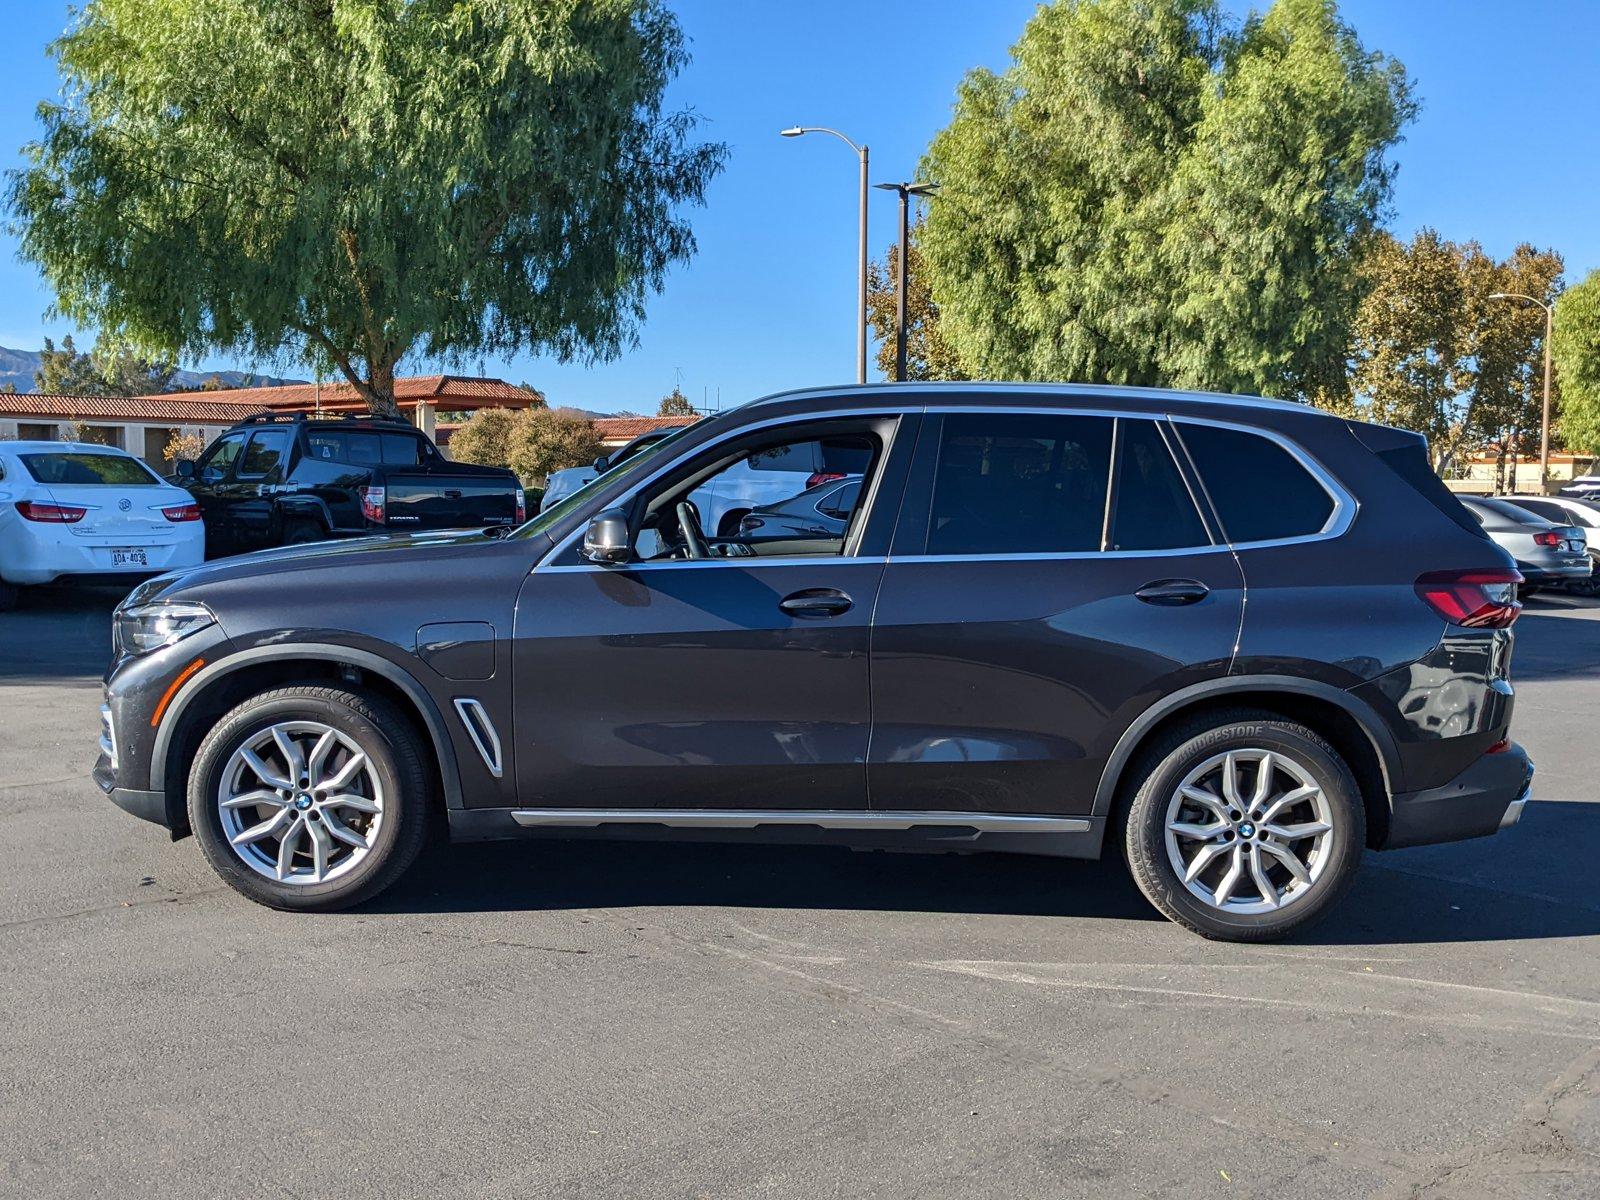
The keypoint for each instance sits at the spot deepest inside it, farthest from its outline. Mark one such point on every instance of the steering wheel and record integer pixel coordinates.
(694, 538)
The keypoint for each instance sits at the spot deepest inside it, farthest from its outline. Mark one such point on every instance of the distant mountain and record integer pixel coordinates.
(18, 366)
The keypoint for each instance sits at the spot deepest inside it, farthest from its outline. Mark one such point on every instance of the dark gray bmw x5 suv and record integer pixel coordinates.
(1238, 639)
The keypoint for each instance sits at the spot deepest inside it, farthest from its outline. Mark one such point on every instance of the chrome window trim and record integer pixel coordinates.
(895, 412)
(1339, 521)
(1345, 505)
(750, 818)
(754, 560)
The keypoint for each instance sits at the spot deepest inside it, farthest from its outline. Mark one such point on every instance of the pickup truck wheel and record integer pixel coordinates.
(1245, 827)
(301, 530)
(311, 798)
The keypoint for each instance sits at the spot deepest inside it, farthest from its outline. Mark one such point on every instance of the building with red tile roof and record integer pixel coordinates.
(143, 425)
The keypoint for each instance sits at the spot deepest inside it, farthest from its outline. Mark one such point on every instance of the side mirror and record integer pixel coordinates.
(606, 540)
(602, 465)
(183, 468)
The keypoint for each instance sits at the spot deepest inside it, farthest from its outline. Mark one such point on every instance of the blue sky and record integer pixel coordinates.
(1505, 150)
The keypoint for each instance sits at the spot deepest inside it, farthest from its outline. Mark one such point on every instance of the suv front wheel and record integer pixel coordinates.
(310, 798)
(1244, 826)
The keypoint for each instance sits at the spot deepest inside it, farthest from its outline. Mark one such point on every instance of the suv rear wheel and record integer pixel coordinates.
(1244, 826)
(310, 798)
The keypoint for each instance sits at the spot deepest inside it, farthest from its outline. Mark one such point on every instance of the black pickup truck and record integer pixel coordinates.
(277, 479)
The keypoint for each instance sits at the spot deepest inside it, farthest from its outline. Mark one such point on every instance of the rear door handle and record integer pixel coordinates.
(816, 602)
(1171, 593)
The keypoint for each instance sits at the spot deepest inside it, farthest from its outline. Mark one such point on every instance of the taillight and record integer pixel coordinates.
(53, 514)
(1547, 537)
(522, 506)
(1479, 599)
(372, 504)
(182, 512)
(816, 477)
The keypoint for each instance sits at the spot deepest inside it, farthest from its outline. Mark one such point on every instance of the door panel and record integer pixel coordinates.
(1002, 685)
(688, 685)
(1041, 594)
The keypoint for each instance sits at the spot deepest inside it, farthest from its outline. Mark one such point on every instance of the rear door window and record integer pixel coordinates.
(1261, 492)
(1016, 483)
(90, 470)
(1154, 510)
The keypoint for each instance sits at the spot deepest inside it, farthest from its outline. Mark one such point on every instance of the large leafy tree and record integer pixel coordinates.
(1431, 350)
(1576, 345)
(675, 404)
(111, 368)
(929, 354)
(352, 181)
(1152, 195)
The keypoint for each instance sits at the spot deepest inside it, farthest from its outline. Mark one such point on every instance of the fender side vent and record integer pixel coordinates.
(481, 730)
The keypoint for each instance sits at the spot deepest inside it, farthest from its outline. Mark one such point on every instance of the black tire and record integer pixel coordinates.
(1528, 590)
(10, 593)
(393, 748)
(1163, 768)
(301, 531)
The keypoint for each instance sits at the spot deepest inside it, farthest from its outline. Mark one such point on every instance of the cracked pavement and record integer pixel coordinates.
(588, 1019)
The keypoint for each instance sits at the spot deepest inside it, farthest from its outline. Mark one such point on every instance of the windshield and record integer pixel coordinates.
(89, 469)
(633, 466)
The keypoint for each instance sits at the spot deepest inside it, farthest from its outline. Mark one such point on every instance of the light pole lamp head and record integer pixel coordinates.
(794, 131)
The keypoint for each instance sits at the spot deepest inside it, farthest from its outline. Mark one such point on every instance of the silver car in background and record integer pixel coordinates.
(1568, 510)
(1546, 553)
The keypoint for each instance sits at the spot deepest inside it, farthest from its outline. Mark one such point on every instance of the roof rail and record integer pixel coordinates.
(271, 417)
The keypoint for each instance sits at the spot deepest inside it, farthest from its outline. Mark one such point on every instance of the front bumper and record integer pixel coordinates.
(1486, 797)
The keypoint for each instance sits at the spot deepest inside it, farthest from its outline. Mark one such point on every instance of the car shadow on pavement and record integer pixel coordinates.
(58, 633)
(1527, 882)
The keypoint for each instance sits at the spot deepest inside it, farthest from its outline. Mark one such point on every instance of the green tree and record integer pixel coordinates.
(675, 404)
(929, 354)
(64, 371)
(112, 368)
(486, 438)
(548, 439)
(1576, 349)
(1152, 195)
(352, 181)
(1431, 351)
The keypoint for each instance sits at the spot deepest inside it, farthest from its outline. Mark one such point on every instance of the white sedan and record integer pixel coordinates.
(90, 513)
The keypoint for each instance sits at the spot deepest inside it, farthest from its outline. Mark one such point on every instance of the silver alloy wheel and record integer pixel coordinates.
(1249, 831)
(300, 802)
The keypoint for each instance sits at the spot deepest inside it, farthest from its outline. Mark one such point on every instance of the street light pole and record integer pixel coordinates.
(906, 191)
(1544, 420)
(861, 280)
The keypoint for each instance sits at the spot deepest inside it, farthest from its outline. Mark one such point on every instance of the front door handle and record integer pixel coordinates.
(816, 602)
(1170, 593)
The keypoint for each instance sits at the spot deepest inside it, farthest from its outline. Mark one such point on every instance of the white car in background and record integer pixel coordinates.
(90, 513)
(761, 480)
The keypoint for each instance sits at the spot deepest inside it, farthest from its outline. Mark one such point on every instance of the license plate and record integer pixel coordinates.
(129, 556)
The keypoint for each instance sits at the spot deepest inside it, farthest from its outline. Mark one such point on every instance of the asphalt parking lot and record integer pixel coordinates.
(634, 1020)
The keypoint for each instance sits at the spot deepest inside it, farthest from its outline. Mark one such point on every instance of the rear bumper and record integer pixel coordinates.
(1552, 572)
(1488, 796)
(40, 561)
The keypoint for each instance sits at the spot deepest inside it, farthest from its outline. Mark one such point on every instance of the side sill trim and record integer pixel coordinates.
(742, 818)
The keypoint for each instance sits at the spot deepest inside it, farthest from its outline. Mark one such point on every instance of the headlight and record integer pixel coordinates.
(147, 627)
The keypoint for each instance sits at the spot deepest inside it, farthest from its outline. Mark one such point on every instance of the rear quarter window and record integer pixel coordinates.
(1262, 493)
